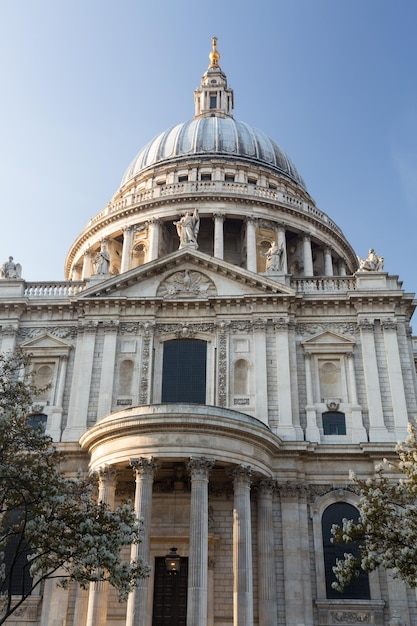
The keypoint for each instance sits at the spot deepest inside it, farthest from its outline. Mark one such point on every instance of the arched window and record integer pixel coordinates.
(184, 371)
(359, 587)
(125, 377)
(241, 371)
(334, 423)
(42, 377)
(38, 420)
(17, 579)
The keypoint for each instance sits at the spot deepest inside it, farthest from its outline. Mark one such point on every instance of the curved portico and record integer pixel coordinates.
(170, 444)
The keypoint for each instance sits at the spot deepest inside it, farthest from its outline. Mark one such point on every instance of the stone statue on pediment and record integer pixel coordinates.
(274, 258)
(102, 260)
(187, 229)
(11, 270)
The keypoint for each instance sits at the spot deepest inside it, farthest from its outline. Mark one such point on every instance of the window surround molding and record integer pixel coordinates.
(316, 512)
(337, 348)
(158, 363)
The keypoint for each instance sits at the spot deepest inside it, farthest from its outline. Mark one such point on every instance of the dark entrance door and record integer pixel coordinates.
(170, 595)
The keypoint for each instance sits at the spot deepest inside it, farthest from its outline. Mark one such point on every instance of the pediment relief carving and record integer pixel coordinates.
(186, 284)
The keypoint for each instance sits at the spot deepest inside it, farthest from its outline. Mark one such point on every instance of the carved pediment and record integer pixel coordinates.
(184, 274)
(46, 343)
(186, 284)
(328, 341)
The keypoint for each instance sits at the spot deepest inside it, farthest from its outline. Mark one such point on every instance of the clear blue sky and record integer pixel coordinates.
(86, 83)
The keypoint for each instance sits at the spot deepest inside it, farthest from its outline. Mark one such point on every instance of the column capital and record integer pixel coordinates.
(219, 216)
(200, 467)
(106, 475)
(265, 486)
(366, 324)
(9, 331)
(389, 324)
(110, 326)
(306, 236)
(251, 219)
(258, 324)
(242, 475)
(281, 324)
(127, 229)
(143, 466)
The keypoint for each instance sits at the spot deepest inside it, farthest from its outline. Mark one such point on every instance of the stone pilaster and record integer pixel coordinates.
(297, 583)
(242, 548)
(137, 604)
(396, 381)
(99, 591)
(358, 430)
(267, 590)
(312, 431)
(377, 428)
(87, 270)
(259, 349)
(198, 559)
(107, 368)
(286, 428)
(8, 338)
(56, 418)
(81, 382)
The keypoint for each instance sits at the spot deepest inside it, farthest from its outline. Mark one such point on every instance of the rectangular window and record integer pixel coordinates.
(183, 179)
(205, 177)
(334, 423)
(184, 371)
(213, 101)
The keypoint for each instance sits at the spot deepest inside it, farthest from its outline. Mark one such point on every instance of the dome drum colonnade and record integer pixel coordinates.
(248, 192)
(244, 453)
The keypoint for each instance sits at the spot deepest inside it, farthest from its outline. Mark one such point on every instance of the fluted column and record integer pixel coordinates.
(154, 230)
(267, 590)
(144, 470)
(395, 378)
(127, 248)
(251, 244)
(198, 559)
(242, 548)
(328, 262)
(377, 428)
(218, 235)
(98, 593)
(307, 256)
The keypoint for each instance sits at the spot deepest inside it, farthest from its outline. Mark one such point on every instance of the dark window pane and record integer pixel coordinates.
(359, 587)
(184, 371)
(334, 423)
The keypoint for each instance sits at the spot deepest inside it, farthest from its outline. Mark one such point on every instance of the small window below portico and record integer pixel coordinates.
(334, 423)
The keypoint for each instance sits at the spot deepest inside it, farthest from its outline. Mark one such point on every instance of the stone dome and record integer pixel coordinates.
(213, 136)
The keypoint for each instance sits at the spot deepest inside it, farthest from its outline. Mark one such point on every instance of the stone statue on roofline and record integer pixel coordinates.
(11, 270)
(372, 263)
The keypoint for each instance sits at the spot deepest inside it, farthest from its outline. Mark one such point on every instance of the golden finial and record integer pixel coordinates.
(214, 56)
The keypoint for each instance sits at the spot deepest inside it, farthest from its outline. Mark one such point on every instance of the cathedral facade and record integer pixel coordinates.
(220, 355)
